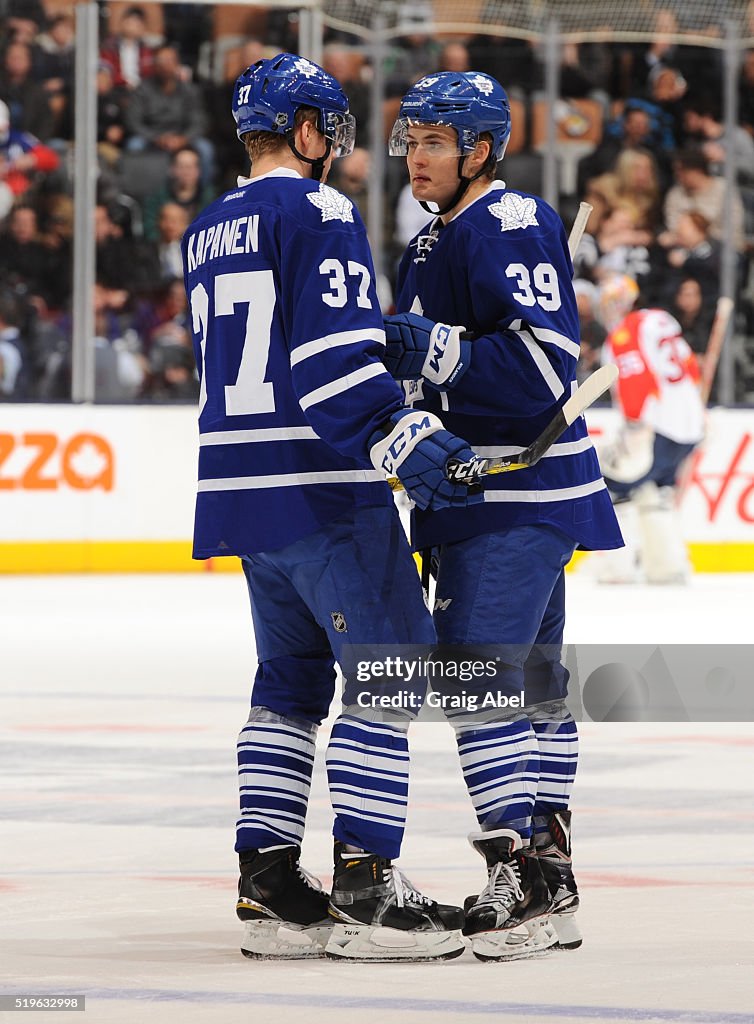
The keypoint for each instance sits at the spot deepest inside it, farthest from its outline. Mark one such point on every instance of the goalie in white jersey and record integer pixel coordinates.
(658, 394)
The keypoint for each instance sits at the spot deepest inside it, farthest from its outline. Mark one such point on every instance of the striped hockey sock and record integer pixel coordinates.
(558, 742)
(500, 763)
(367, 771)
(275, 760)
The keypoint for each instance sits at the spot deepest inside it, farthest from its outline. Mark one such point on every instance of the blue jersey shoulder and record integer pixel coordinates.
(309, 202)
(518, 215)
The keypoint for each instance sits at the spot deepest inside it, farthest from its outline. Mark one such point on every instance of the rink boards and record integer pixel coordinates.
(111, 489)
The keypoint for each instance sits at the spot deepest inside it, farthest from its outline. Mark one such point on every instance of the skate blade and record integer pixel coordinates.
(375, 943)
(280, 940)
(568, 931)
(535, 938)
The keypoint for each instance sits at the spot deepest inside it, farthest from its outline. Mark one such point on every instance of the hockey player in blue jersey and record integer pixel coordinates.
(488, 326)
(299, 424)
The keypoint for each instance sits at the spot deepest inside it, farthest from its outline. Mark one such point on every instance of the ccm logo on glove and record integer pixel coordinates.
(389, 453)
(444, 360)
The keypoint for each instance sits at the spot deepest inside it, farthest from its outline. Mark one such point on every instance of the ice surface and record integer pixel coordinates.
(120, 700)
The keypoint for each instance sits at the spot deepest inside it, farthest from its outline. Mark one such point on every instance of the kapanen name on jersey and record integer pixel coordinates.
(226, 238)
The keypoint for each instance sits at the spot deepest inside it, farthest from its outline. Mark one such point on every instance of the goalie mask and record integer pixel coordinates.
(617, 295)
(268, 94)
(469, 102)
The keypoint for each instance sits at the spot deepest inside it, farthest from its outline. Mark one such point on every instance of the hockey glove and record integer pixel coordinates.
(417, 347)
(416, 448)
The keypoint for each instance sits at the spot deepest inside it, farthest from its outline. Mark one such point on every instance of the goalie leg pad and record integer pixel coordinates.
(621, 565)
(663, 549)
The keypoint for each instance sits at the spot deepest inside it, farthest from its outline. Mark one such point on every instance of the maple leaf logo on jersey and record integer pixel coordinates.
(483, 84)
(514, 212)
(305, 67)
(332, 204)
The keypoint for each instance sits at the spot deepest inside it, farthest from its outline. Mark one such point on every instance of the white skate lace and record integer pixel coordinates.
(404, 890)
(503, 886)
(311, 880)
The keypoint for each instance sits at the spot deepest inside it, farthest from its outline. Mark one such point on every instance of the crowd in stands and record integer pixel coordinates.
(640, 135)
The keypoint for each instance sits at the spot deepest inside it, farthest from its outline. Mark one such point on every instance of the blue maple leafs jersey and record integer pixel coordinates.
(501, 268)
(288, 336)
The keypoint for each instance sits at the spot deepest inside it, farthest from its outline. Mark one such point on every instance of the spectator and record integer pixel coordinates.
(58, 240)
(662, 52)
(119, 368)
(183, 186)
(345, 65)
(121, 262)
(219, 102)
(634, 181)
(694, 313)
(23, 20)
(172, 222)
(667, 87)
(695, 254)
(166, 113)
(455, 57)
(54, 66)
(704, 124)
(508, 60)
(27, 100)
(187, 26)
(12, 351)
(172, 373)
(127, 52)
(622, 245)
(350, 175)
(24, 260)
(165, 318)
(633, 131)
(22, 156)
(697, 190)
(585, 71)
(111, 114)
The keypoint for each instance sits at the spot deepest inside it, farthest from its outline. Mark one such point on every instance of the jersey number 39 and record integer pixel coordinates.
(546, 291)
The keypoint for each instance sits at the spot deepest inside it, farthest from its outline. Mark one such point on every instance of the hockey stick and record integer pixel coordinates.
(712, 352)
(581, 399)
(715, 343)
(579, 226)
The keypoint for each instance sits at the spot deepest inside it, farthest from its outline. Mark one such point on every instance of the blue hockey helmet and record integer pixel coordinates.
(468, 101)
(268, 94)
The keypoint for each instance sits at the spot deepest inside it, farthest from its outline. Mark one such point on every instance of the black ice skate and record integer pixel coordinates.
(282, 906)
(554, 853)
(509, 919)
(379, 916)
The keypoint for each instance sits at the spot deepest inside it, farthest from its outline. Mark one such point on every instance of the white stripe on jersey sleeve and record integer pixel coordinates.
(260, 434)
(549, 337)
(335, 387)
(544, 365)
(251, 483)
(311, 348)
